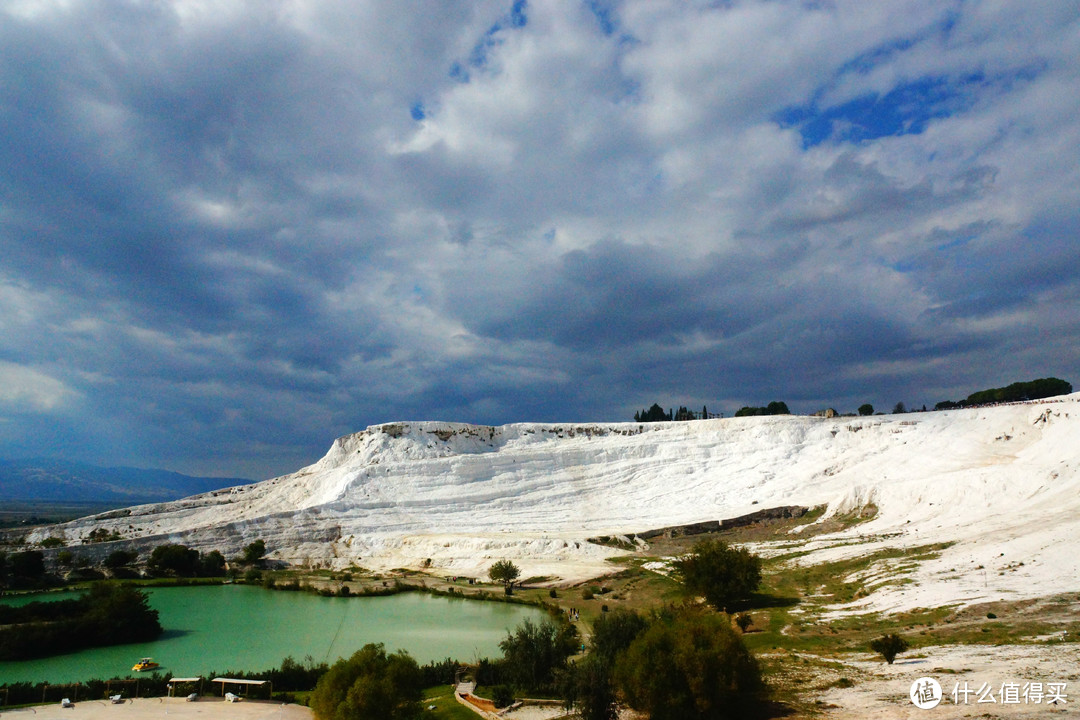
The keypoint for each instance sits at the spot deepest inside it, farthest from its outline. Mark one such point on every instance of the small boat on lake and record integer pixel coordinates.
(145, 664)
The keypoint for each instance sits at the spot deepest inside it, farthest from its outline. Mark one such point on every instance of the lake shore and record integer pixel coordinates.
(206, 708)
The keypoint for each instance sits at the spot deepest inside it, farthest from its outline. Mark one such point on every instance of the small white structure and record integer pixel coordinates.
(66, 703)
(237, 681)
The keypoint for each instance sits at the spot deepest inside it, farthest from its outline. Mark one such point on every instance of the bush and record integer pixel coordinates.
(724, 575)
(744, 621)
(691, 665)
(588, 688)
(120, 558)
(254, 552)
(889, 646)
(502, 696)
(369, 685)
(614, 632)
(176, 559)
(108, 614)
(533, 654)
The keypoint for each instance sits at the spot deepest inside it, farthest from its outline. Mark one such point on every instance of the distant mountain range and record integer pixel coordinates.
(65, 481)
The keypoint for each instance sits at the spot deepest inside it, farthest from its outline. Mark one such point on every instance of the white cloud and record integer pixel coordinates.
(25, 389)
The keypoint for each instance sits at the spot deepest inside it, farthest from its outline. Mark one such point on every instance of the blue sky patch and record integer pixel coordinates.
(602, 12)
(905, 110)
(417, 111)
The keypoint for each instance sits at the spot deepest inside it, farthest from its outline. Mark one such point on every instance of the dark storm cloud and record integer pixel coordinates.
(231, 232)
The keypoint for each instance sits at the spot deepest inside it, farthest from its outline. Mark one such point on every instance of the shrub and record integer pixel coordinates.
(533, 654)
(614, 632)
(502, 696)
(687, 666)
(588, 688)
(369, 685)
(722, 574)
(744, 621)
(889, 646)
(120, 558)
(254, 552)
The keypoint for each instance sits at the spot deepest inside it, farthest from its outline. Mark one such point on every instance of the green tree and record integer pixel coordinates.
(533, 654)
(889, 646)
(254, 552)
(28, 564)
(176, 559)
(212, 564)
(370, 685)
(589, 684)
(777, 407)
(505, 572)
(899, 409)
(613, 632)
(688, 667)
(723, 575)
(653, 414)
(120, 558)
(866, 409)
(588, 687)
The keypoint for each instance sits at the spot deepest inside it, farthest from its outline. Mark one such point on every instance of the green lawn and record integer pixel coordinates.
(446, 707)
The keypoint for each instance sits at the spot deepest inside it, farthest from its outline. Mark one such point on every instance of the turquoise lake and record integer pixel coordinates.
(237, 627)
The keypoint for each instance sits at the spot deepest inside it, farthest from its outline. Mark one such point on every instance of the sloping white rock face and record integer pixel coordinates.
(1001, 482)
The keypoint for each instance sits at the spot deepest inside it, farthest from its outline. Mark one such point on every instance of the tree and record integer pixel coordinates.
(28, 564)
(176, 559)
(505, 572)
(889, 646)
(589, 688)
(689, 666)
(776, 407)
(899, 409)
(866, 409)
(613, 632)
(212, 564)
(120, 558)
(532, 654)
(370, 685)
(254, 552)
(653, 414)
(724, 575)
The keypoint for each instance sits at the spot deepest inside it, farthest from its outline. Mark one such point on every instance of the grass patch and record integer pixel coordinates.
(446, 707)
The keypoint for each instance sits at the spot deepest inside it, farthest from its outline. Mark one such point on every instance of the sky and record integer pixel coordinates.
(233, 231)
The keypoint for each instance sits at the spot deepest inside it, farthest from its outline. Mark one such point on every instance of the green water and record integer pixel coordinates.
(236, 627)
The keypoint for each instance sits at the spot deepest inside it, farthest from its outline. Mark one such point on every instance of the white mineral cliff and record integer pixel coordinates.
(1001, 483)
